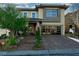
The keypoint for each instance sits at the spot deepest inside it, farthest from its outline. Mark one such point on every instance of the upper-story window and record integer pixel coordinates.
(33, 15)
(25, 14)
(51, 13)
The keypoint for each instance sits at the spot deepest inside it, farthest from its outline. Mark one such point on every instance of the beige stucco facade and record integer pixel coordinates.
(29, 13)
(61, 23)
(40, 14)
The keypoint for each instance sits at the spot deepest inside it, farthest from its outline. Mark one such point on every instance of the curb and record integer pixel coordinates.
(56, 52)
(74, 39)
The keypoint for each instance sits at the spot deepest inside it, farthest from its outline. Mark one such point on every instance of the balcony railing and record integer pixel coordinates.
(34, 19)
(45, 19)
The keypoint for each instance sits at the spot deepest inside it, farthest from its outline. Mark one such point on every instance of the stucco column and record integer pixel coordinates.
(62, 22)
(38, 25)
(62, 30)
(40, 28)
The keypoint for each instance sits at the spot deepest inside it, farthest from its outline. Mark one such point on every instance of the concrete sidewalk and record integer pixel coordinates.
(56, 52)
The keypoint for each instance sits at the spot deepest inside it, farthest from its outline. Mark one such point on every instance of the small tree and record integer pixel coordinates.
(38, 38)
(10, 18)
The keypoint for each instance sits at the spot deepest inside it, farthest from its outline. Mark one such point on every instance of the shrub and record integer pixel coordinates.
(37, 38)
(11, 41)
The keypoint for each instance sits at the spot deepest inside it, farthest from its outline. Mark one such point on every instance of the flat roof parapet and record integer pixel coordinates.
(43, 6)
(52, 5)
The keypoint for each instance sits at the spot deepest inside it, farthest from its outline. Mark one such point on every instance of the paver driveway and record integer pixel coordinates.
(49, 42)
(58, 42)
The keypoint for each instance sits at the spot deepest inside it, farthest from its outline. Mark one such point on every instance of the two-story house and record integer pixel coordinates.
(50, 18)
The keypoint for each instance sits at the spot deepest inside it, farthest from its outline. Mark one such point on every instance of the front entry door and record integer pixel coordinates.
(32, 28)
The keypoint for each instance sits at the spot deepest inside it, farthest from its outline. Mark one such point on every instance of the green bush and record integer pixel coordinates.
(38, 38)
(37, 45)
(25, 31)
(11, 41)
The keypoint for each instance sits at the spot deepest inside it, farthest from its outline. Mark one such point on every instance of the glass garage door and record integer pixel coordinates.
(51, 30)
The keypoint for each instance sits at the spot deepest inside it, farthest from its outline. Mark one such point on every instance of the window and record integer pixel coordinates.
(51, 13)
(33, 15)
(25, 14)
